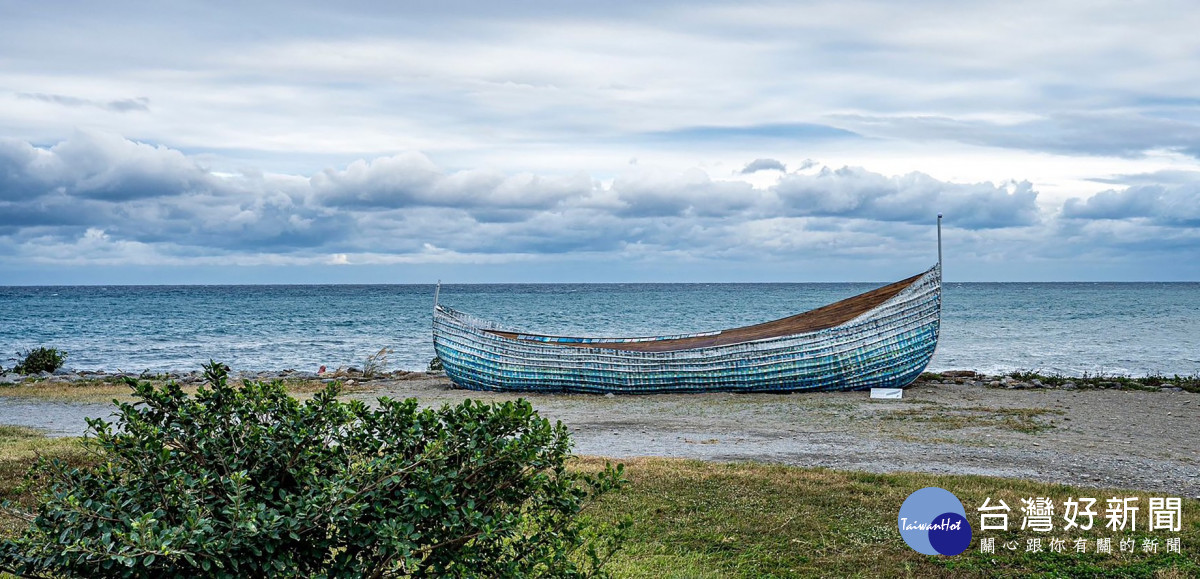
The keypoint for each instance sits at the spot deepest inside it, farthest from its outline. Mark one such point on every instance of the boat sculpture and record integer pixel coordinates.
(883, 338)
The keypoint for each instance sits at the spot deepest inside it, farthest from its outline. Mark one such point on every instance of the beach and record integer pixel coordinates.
(952, 423)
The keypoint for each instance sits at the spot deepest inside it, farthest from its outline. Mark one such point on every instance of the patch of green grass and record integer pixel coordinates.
(699, 519)
(1026, 420)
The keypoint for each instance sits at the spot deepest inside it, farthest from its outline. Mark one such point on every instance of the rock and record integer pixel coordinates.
(1069, 386)
(959, 373)
(1171, 389)
(609, 395)
(64, 372)
(1037, 383)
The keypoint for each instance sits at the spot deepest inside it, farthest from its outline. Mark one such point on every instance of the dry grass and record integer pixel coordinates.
(19, 447)
(110, 388)
(1027, 420)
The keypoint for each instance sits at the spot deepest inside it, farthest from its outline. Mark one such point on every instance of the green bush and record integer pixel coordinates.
(247, 481)
(40, 359)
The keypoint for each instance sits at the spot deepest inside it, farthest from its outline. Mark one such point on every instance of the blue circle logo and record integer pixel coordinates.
(934, 522)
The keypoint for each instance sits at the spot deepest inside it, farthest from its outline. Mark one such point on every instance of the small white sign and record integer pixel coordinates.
(887, 393)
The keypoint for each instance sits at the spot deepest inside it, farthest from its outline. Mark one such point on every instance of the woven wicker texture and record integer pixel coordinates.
(882, 338)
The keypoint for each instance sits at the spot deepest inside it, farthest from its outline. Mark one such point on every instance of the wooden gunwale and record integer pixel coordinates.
(821, 318)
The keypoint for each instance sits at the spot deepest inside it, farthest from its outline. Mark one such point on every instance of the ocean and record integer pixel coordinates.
(1069, 328)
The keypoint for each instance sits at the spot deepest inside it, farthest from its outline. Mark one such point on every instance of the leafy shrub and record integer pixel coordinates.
(40, 359)
(435, 365)
(247, 481)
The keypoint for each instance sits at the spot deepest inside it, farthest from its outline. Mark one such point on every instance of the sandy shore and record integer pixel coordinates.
(1134, 439)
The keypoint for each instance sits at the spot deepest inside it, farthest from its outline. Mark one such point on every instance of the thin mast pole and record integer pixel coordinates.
(437, 290)
(939, 227)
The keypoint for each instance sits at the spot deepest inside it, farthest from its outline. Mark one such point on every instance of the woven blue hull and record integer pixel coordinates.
(887, 346)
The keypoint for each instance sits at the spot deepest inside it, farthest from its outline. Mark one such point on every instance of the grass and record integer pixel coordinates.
(702, 519)
(699, 519)
(19, 447)
(1151, 382)
(1026, 420)
(112, 387)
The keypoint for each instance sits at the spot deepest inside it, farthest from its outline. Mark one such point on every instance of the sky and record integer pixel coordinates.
(551, 141)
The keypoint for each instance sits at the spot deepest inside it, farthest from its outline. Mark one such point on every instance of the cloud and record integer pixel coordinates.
(97, 166)
(1174, 205)
(1162, 177)
(658, 193)
(796, 132)
(141, 104)
(135, 192)
(411, 179)
(102, 199)
(763, 165)
(912, 198)
(1120, 133)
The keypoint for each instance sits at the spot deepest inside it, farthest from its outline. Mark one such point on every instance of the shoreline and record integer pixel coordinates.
(1100, 434)
(1016, 380)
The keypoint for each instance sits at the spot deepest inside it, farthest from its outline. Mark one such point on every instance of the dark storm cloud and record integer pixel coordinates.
(913, 198)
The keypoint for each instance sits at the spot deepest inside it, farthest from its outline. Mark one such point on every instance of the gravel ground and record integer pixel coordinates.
(1096, 438)
(1144, 440)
